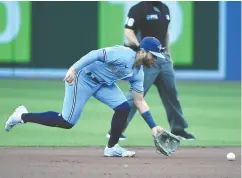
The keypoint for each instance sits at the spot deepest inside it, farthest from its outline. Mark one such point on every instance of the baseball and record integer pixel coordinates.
(231, 156)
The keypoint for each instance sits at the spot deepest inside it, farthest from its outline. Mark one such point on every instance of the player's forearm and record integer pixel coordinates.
(130, 35)
(143, 108)
(88, 59)
(141, 105)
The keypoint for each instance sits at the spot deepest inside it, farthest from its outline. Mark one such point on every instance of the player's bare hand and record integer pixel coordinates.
(156, 130)
(70, 76)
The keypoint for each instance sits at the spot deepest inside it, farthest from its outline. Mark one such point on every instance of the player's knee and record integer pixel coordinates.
(122, 112)
(65, 124)
(124, 107)
(68, 125)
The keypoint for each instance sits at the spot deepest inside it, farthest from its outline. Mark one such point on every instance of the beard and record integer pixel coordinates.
(146, 63)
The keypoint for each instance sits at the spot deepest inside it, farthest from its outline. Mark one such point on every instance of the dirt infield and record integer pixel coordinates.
(86, 162)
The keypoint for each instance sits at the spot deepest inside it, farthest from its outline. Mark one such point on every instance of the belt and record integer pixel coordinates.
(92, 77)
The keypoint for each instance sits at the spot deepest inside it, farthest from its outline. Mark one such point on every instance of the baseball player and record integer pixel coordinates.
(95, 75)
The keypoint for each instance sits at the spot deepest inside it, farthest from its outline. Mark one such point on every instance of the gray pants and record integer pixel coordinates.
(163, 76)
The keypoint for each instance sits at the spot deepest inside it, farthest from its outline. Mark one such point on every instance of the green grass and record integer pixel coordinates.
(211, 109)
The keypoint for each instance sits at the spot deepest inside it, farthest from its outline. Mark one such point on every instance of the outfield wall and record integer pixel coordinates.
(42, 39)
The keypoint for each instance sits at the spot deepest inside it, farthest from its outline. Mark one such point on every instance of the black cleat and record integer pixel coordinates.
(183, 135)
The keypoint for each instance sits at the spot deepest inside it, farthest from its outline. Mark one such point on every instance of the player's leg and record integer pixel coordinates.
(74, 100)
(115, 99)
(166, 86)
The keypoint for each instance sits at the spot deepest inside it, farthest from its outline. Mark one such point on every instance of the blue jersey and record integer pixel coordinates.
(111, 64)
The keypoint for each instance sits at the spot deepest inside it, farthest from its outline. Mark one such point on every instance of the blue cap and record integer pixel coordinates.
(152, 45)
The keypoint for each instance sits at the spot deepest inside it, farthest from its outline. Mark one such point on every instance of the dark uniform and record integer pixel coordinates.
(149, 20)
(152, 19)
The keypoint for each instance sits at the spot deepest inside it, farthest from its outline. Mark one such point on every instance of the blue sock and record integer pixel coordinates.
(50, 118)
(118, 123)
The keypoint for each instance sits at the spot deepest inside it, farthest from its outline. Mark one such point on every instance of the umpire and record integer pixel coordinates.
(149, 18)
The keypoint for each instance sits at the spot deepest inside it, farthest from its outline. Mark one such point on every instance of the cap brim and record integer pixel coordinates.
(160, 55)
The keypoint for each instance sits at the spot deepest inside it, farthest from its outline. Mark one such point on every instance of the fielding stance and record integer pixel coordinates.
(95, 75)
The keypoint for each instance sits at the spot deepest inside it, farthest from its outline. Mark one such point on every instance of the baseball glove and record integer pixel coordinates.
(166, 143)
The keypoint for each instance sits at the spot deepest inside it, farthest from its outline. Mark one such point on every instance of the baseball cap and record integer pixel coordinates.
(152, 45)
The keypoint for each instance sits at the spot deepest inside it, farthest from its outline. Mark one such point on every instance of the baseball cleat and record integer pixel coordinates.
(118, 151)
(183, 135)
(15, 118)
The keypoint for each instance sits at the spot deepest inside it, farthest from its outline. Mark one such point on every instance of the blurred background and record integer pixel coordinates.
(39, 41)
